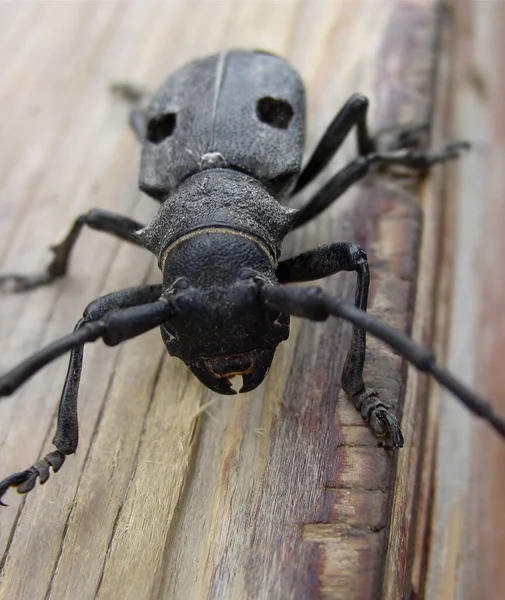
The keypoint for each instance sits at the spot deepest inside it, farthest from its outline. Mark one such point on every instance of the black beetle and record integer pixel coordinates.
(222, 148)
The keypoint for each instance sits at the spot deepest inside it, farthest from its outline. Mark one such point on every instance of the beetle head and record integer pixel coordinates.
(220, 329)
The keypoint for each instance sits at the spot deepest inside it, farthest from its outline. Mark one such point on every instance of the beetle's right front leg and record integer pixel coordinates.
(101, 220)
(67, 430)
(322, 262)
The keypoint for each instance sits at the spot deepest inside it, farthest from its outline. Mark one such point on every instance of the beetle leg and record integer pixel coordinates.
(325, 261)
(334, 188)
(66, 437)
(352, 113)
(101, 220)
(358, 168)
(312, 303)
(67, 430)
(395, 137)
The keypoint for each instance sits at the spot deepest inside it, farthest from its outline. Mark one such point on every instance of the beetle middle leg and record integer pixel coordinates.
(114, 317)
(353, 113)
(403, 152)
(325, 261)
(101, 220)
(358, 168)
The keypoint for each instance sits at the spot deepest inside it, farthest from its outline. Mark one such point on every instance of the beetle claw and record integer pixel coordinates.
(25, 481)
(382, 421)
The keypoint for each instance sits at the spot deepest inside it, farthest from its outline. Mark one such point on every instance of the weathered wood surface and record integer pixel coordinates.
(176, 492)
(467, 525)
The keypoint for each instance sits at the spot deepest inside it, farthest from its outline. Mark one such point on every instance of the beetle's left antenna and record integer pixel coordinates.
(114, 327)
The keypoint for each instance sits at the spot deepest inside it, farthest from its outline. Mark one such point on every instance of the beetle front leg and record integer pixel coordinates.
(67, 430)
(325, 261)
(101, 220)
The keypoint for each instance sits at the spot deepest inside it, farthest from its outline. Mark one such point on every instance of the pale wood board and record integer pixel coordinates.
(282, 493)
(466, 521)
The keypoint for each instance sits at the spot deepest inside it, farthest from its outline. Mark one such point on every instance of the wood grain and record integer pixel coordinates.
(176, 492)
(467, 540)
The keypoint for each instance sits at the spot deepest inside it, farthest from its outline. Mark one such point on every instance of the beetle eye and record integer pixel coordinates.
(161, 127)
(274, 112)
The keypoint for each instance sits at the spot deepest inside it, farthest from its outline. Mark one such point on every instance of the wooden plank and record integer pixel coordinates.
(282, 492)
(466, 528)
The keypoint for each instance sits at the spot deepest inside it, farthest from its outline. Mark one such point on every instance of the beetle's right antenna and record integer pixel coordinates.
(312, 303)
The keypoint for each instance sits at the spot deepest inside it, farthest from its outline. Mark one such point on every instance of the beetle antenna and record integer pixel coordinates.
(114, 327)
(312, 303)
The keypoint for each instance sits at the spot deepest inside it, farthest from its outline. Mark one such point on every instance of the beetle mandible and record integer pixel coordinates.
(222, 150)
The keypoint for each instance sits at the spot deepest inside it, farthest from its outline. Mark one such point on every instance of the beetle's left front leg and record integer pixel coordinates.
(325, 261)
(115, 317)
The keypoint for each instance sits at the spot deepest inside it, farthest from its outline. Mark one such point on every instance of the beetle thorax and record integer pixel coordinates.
(219, 198)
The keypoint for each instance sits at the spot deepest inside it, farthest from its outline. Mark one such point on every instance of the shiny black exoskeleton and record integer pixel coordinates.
(222, 151)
